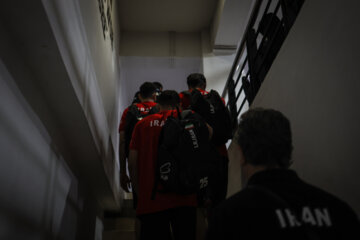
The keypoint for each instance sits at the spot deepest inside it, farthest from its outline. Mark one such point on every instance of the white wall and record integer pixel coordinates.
(39, 196)
(104, 56)
(171, 72)
(169, 58)
(93, 65)
(166, 57)
(315, 82)
(216, 64)
(230, 22)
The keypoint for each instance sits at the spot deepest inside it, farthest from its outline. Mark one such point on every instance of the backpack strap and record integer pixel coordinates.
(178, 112)
(133, 109)
(185, 113)
(153, 110)
(181, 115)
(156, 184)
(157, 174)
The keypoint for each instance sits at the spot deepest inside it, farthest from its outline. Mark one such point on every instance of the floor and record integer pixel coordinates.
(122, 225)
(120, 228)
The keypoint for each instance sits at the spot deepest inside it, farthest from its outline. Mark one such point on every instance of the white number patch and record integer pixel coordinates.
(204, 182)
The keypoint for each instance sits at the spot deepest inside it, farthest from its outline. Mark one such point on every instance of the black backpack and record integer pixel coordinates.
(215, 113)
(133, 116)
(187, 162)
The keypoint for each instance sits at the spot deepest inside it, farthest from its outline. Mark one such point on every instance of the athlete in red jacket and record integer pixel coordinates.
(147, 97)
(166, 209)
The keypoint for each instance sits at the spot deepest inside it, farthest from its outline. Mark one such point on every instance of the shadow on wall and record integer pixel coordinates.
(39, 195)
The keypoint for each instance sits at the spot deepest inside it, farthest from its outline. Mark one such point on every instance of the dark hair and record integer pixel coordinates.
(158, 85)
(264, 136)
(147, 89)
(136, 98)
(169, 98)
(195, 80)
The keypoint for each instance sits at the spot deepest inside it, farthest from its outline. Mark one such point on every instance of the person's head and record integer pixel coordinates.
(264, 137)
(196, 80)
(168, 99)
(148, 91)
(137, 98)
(159, 86)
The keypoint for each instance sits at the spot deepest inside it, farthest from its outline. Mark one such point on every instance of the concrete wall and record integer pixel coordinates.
(58, 121)
(220, 43)
(175, 54)
(167, 57)
(104, 53)
(216, 64)
(315, 82)
(93, 64)
(40, 198)
(230, 22)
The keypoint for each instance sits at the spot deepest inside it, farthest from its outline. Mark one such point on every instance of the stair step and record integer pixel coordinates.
(124, 224)
(127, 210)
(116, 235)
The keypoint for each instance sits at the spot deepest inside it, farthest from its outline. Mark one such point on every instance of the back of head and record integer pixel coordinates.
(264, 136)
(196, 80)
(169, 98)
(158, 85)
(159, 88)
(147, 89)
(136, 98)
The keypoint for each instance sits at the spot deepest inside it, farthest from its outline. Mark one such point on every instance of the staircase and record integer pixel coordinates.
(121, 225)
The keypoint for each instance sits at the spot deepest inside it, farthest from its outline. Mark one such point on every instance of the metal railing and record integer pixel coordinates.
(267, 28)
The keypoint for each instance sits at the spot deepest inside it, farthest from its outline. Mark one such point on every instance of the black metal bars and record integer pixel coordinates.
(258, 56)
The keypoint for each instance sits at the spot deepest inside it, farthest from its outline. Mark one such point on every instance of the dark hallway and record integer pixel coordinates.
(69, 69)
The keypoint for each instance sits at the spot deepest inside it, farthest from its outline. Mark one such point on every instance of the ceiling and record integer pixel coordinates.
(166, 15)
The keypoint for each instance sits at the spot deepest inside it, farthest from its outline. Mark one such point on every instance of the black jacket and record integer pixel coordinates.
(277, 204)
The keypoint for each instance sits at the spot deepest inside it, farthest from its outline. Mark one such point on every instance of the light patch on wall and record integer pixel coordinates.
(99, 227)
(34, 179)
(171, 72)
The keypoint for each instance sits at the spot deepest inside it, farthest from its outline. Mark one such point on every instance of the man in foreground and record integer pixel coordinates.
(276, 203)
